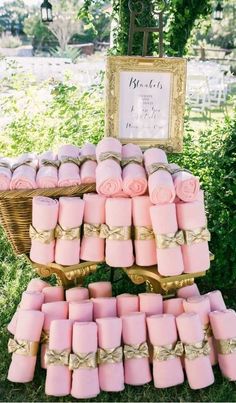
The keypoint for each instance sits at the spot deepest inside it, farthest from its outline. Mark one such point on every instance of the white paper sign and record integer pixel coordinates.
(144, 105)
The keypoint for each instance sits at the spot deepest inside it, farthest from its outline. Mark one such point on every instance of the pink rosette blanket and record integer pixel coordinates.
(134, 175)
(68, 174)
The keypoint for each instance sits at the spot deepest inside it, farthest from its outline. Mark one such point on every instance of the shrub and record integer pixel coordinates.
(9, 41)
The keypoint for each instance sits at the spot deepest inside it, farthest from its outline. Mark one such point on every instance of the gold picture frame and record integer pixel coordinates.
(145, 101)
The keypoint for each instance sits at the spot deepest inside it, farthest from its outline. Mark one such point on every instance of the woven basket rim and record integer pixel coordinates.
(47, 192)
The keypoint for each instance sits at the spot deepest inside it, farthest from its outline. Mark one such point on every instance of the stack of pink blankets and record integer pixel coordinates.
(103, 343)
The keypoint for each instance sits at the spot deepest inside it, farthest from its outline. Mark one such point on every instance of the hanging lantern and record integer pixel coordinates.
(218, 12)
(46, 11)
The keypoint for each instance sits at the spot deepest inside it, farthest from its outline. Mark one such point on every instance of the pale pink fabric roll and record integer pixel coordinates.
(108, 171)
(187, 185)
(137, 370)
(104, 307)
(68, 174)
(217, 302)
(5, 173)
(71, 211)
(145, 250)
(77, 294)
(44, 218)
(150, 303)
(53, 294)
(85, 383)
(81, 311)
(29, 328)
(160, 183)
(111, 375)
(191, 216)
(92, 246)
(30, 300)
(88, 164)
(58, 378)
(47, 175)
(199, 371)
(134, 175)
(223, 325)
(164, 222)
(36, 284)
(100, 289)
(188, 291)
(24, 176)
(119, 253)
(201, 306)
(127, 303)
(173, 306)
(162, 332)
(52, 311)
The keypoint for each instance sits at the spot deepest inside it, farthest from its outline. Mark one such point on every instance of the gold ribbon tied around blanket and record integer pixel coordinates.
(73, 160)
(110, 355)
(92, 230)
(84, 158)
(168, 352)
(143, 233)
(227, 346)
(136, 351)
(157, 166)
(110, 155)
(82, 361)
(171, 240)
(67, 234)
(52, 163)
(132, 160)
(23, 347)
(44, 339)
(195, 350)
(177, 170)
(29, 162)
(115, 233)
(54, 357)
(197, 235)
(207, 331)
(4, 164)
(41, 236)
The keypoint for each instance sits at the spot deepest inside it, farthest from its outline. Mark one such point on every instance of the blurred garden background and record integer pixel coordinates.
(52, 92)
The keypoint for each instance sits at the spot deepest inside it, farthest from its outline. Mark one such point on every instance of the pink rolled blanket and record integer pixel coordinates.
(88, 164)
(92, 246)
(117, 231)
(111, 370)
(47, 175)
(144, 238)
(191, 218)
(44, 221)
(167, 367)
(36, 284)
(127, 303)
(136, 364)
(68, 174)
(81, 311)
(223, 325)
(188, 291)
(24, 172)
(71, 211)
(53, 294)
(168, 239)
(108, 171)
(85, 382)
(58, 378)
(173, 306)
(150, 303)
(5, 173)
(197, 361)
(76, 294)
(100, 289)
(160, 182)
(217, 302)
(187, 185)
(134, 175)
(104, 307)
(24, 347)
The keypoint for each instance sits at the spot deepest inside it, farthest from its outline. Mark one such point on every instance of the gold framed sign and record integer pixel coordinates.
(145, 100)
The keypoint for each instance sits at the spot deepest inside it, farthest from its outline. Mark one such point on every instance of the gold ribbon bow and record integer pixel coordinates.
(207, 331)
(168, 352)
(23, 347)
(84, 158)
(54, 357)
(132, 160)
(67, 234)
(4, 164)
(115, 233)
(92, 230)
(176, 170)
(41, 236)
(82, 361)
(227, 346)
(172, 240)
(74, 160)
(30, 162)
(44, 337)
(157, 166)
(195, 350)
(143, 233)
(136, 351)
(52, 163)
(110, 355)
(197, 235)
(110, 155)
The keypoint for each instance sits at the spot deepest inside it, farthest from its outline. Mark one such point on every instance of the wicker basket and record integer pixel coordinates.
(16, 211)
